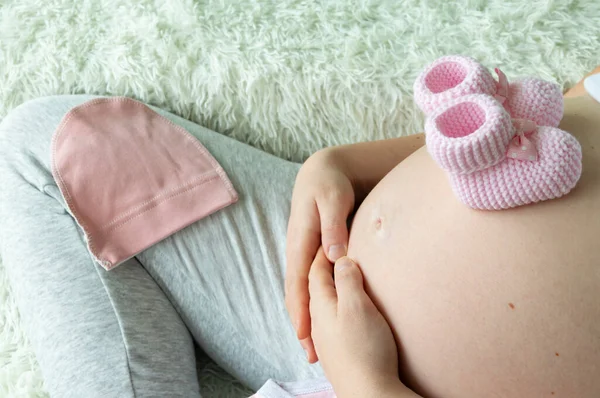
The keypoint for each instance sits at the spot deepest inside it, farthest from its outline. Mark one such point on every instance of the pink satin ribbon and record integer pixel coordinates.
(502, 87)
(521, 147)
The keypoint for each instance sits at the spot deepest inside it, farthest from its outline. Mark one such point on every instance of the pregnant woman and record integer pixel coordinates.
(480, 304)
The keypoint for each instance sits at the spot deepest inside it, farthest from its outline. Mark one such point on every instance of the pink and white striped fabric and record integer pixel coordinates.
(315, 388)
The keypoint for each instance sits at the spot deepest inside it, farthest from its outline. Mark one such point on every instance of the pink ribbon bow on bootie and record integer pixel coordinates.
(502, 87)
(520, 147)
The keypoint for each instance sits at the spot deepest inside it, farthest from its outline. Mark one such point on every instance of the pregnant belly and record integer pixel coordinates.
(485, 304)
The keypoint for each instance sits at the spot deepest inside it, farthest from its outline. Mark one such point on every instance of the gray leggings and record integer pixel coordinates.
(130, 332)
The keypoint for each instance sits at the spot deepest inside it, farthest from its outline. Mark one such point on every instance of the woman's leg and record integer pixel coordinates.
(225, 273)
(95, 333)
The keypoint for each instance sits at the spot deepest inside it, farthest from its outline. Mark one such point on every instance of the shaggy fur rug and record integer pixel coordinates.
(287, 76)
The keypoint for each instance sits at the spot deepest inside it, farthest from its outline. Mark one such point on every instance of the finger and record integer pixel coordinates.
(321, 287)
(333, 212)
(309, 348)
(303, 239)
(297, 304)
(349, 283)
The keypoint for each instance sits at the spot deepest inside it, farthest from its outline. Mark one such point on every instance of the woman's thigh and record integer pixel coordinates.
(225, 273)
(95, 333)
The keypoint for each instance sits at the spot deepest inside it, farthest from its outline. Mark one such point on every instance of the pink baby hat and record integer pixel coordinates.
(130, 177)
(453, 76)
(497, 163)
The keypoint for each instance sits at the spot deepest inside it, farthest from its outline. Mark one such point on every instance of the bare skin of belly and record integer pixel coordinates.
(488, 304)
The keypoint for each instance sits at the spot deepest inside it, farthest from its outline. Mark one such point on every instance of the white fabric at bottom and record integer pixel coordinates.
(315, 388)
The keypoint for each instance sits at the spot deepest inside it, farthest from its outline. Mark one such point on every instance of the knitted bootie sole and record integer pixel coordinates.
(454, 76)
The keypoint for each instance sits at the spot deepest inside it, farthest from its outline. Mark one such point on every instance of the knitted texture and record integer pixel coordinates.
(454, 76)
(450, 77)
(514, 183)
(469, 133)
(536, 100)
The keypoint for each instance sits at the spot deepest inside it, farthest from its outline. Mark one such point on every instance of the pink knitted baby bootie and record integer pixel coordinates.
(454, 76)
(468, 134)
(494, 163)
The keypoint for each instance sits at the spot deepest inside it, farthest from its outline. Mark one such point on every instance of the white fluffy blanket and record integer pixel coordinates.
(288, 76)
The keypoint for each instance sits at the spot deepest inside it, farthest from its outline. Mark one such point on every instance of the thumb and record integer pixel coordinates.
(348, 281)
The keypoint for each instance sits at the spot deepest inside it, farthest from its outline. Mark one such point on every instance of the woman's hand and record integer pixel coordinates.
(327, 187)
(321, 203)
(355, 345)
